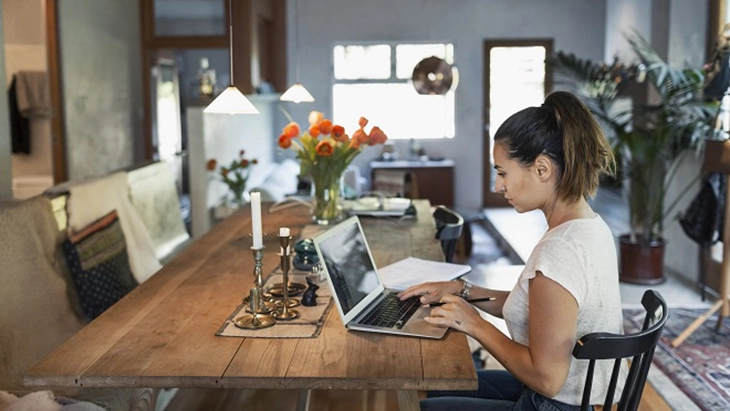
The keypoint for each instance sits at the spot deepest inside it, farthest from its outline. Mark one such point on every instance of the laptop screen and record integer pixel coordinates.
(351, 270)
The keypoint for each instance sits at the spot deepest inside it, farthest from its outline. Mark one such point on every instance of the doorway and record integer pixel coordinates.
(515, 77)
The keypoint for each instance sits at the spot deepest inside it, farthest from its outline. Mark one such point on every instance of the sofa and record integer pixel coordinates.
(39, 303)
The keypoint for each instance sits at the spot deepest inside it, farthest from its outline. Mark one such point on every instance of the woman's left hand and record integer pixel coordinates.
(455, 313)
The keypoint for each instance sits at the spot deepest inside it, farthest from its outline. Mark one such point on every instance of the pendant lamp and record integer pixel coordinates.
(231, 100)
(296, 93)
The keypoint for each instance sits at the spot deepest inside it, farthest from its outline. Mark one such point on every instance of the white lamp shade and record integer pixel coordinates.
(231, 101)
(296, 94)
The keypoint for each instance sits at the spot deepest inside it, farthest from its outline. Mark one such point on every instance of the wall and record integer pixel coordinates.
(102, 85)
(687, 30)
(6, 187)
(25, 50)
(676, 29)
(466, 23)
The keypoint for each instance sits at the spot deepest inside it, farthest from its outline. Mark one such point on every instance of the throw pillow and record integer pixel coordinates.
(99, 264)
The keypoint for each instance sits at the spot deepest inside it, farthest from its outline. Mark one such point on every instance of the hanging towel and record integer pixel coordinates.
(19, 125)
(33, 94)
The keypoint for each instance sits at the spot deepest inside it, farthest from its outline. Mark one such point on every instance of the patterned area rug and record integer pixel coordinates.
(700, 366)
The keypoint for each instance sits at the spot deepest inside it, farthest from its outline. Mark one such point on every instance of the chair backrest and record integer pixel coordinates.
(639, 346)
(449, 225)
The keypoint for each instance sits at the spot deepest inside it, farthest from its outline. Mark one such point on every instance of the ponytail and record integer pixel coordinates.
(586, 152)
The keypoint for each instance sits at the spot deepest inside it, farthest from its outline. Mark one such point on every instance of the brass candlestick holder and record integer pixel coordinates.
(258, 301)
(284, 312)
(259, 310)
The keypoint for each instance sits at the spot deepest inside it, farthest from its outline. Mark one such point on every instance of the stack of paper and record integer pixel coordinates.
(413, 271)
(375, 206)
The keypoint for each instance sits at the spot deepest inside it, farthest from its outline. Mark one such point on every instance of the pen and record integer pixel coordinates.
(473, 300)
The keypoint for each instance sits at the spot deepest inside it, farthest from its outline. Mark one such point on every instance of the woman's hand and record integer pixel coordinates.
(432, 292)
(456, 313)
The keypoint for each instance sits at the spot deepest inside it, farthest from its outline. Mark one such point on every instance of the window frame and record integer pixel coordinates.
(393, 79)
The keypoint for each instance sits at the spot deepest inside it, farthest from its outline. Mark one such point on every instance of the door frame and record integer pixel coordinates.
(55, 69)
(490, 199)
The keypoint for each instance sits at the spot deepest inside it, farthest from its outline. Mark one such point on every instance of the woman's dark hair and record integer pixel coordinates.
(565, 131)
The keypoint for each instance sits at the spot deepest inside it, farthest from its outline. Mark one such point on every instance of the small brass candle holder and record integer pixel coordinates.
(283, 312)
(254, 321)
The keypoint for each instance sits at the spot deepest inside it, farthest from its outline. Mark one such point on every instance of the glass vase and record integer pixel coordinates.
(326, 208)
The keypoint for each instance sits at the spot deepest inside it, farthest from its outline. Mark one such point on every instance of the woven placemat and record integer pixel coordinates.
(308, 325)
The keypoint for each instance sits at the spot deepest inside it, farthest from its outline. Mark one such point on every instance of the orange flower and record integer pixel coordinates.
(244, 163)
(325, 126)
(360, 137)
(314, 130)
(354, 143)
(284, 141)
(255, 161)
(338, 133)
(362, 122)
(377, 136)
(241, 153)
(325, 148)
(210, 165)
(315, 117)
(291, 130)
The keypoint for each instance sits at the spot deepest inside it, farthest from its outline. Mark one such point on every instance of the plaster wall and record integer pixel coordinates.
(687, 30)
(102, 85)
(576, 26)
(623, 16)
(25, 50)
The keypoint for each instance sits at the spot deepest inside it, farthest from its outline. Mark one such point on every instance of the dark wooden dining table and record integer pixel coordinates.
(163, 333)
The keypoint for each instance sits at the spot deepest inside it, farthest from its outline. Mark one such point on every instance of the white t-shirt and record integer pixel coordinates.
(580, 255)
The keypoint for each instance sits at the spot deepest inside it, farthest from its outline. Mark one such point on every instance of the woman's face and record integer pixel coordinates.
(520, 185)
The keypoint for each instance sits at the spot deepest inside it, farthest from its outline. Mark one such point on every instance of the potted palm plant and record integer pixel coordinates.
(651, 138)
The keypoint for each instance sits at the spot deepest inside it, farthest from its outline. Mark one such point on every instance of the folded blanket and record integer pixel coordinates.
(33, 94)
(94, 199)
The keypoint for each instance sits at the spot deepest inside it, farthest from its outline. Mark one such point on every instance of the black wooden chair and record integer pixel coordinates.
(640, 346)
(449, 225)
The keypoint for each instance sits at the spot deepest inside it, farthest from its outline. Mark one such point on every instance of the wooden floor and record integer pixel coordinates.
(189, 399)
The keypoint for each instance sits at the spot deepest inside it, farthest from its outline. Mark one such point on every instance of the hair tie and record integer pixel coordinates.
(547, 106)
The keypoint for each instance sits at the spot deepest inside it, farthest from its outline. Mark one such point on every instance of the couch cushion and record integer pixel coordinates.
(98, 261)
(35, 315)
(91, 200)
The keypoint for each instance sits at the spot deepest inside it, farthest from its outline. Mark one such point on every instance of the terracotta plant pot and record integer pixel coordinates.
(641, 263)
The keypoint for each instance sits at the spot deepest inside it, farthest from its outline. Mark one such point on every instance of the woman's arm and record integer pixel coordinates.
(433, 293)
(544, 365)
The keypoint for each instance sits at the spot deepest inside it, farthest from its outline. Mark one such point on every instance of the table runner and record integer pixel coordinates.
(308, 325)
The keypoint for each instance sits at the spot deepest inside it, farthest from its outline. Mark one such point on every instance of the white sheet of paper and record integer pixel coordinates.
(412, 271)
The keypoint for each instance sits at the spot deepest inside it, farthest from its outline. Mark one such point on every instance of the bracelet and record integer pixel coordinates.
(465, 289)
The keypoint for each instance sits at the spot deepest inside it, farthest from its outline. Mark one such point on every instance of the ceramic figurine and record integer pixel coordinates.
(309, 298)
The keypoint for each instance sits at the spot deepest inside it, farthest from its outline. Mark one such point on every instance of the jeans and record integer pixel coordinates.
(497, 390)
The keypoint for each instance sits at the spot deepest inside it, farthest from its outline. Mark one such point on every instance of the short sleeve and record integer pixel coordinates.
(563, 263)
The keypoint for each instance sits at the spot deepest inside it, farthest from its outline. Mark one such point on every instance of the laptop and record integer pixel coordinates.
(358, 290)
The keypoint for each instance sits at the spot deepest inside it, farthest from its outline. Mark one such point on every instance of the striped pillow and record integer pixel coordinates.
(99, 264)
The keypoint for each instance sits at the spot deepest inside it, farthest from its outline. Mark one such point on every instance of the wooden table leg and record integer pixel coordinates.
(304, 399)
(408, 400)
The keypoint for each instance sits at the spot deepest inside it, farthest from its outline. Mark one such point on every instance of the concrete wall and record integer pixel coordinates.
(6, 182)
(575, 25)
(102, 85)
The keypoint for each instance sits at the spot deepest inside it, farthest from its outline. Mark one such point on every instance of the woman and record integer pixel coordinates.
(547, 158)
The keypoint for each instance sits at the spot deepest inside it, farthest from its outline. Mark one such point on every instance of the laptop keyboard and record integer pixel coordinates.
(391, 312)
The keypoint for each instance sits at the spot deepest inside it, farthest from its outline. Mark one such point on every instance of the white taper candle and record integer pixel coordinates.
(256, 220)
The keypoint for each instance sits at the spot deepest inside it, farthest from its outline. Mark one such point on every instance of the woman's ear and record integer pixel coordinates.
(543, 167)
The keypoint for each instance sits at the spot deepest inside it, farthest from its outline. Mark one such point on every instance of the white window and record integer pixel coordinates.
(373, 81)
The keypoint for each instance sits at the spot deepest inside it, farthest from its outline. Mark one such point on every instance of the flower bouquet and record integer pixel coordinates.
(235, 175)
(325, 150)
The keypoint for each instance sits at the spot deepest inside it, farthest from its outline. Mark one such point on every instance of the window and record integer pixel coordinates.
(373, 80)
